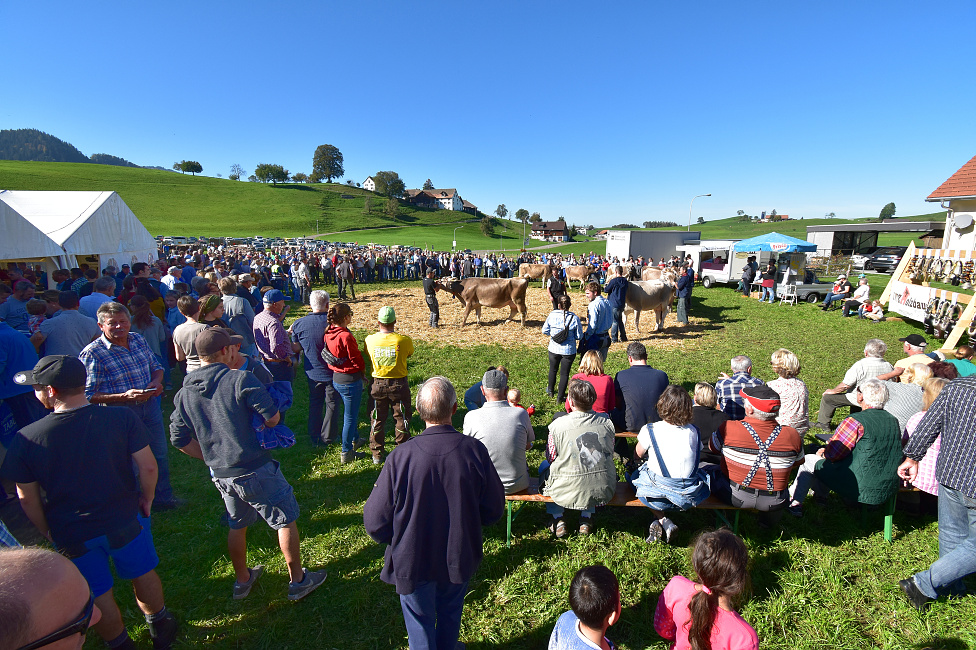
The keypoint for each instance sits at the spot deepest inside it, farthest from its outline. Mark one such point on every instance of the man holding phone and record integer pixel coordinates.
(123, 371)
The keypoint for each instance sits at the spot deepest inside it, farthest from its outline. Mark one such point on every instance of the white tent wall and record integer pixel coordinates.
(63, 229)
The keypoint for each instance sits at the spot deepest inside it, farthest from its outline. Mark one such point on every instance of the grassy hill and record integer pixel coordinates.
(169, 203)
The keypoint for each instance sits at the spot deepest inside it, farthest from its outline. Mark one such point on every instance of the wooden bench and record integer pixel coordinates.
(623, 496)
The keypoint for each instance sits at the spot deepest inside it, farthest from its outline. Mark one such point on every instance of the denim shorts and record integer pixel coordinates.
(135, 558)
(262, 493)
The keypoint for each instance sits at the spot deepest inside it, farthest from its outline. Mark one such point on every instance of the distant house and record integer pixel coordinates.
(550, 230)
(958, 196)
(369, 184)
(469, 207)
(581, 231)
(603, 234)
(446, 199)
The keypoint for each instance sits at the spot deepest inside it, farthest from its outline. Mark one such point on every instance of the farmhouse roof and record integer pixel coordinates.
(466, 204)
(447, 193)
(559, 225)
(961, 185)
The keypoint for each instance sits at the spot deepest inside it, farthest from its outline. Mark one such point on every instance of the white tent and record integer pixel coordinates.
(64, 229)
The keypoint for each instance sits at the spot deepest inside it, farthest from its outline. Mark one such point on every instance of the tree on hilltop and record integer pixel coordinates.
(236, 172)
(389, 184)
(522, 215)
(392, 207)
(273, 173)
(701, 220)
(501, 211)
(887, 212)
(299, 177)
(535, 218)
(191, 166)
(327, 164)
(428, 185)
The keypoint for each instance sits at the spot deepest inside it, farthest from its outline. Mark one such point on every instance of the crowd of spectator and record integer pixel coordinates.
(113, 337)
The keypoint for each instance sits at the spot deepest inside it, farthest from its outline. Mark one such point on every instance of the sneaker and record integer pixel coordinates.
(312, 581)
(655, 532)
(915, 596)
(558, 528)
(346, 457)
(163, 631)
(797, 510)
(670, 528)
(584, 528)
(242, 589)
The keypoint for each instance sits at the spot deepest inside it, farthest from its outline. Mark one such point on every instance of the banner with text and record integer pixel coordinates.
(910, 300)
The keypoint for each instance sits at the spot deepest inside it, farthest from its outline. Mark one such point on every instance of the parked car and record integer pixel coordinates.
(885, 259)
(858, 259)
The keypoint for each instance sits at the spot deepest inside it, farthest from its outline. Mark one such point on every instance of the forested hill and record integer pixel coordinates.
(31, 144)
(34, 145)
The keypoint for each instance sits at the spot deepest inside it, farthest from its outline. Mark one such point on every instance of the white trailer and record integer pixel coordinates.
(624, 244)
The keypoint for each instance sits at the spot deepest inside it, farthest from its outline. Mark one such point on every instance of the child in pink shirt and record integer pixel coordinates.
(692, 614)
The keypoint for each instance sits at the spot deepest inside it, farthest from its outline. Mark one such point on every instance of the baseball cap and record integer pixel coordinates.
(57, 370)
(386, 315)
(915, 339)
(214, 339)
(494, 380)
(841, 275)
(761, 397)
(273, 296)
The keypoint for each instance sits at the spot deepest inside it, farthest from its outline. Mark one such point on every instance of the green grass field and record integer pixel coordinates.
(823, 581)
(169, 203)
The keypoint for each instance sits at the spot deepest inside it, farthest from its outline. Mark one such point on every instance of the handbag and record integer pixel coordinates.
(563, 334)
(332, 359)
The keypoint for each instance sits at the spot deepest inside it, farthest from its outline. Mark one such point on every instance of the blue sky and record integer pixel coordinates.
(600, 113)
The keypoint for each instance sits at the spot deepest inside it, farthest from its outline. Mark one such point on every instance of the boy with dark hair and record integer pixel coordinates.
(594, 595)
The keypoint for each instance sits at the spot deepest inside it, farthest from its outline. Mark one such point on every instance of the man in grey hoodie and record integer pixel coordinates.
(212, 421)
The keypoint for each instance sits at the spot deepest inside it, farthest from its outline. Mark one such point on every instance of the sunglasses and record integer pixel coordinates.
(80, 625)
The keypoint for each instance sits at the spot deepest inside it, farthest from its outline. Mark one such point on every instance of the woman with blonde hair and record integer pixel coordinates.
(707, 418)
(794, 410)
(591, 370)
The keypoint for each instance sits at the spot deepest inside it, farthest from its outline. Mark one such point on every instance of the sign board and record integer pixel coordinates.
(909, 300)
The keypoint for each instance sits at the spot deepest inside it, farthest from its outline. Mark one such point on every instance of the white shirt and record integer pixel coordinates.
(678, 446)
(861, 293)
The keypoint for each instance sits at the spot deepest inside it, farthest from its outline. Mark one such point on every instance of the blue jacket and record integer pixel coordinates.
(685, 283)
(431, 499)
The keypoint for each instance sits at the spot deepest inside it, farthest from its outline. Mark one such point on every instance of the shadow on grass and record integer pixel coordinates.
(303, 188)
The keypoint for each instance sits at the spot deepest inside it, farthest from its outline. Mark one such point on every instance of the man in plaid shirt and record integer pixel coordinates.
(729, 399)
(123, 371)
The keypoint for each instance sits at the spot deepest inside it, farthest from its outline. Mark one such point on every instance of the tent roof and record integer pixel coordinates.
(57, 214)
(76, 223)
(776, 243)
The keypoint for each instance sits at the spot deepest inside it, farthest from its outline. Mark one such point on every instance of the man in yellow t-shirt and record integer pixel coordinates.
(388, 352)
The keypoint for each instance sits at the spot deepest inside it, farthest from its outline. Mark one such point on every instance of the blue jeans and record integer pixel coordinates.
(152, 416)
(768, 291)
(833, 297)
(323, 426)
(617, 331)
(957, 546)
(352, 395)
(432, 614)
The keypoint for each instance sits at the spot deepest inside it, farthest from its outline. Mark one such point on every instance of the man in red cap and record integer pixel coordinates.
(757, 455)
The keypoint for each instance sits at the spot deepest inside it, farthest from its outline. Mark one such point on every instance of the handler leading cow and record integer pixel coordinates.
(475, 293)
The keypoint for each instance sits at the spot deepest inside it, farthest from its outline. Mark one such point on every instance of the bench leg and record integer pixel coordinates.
(721, 519)
(508, 534)
(889, 517)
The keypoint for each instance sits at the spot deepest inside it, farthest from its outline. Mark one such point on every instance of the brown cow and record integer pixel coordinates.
(535, 271)
(646, 296)
(655, 273)
(475, 293)
(580, 273)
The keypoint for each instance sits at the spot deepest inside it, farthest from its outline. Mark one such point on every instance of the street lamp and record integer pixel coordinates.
(454, 240)
(692, 206)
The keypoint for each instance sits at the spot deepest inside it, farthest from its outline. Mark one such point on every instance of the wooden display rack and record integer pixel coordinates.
(961, 298)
